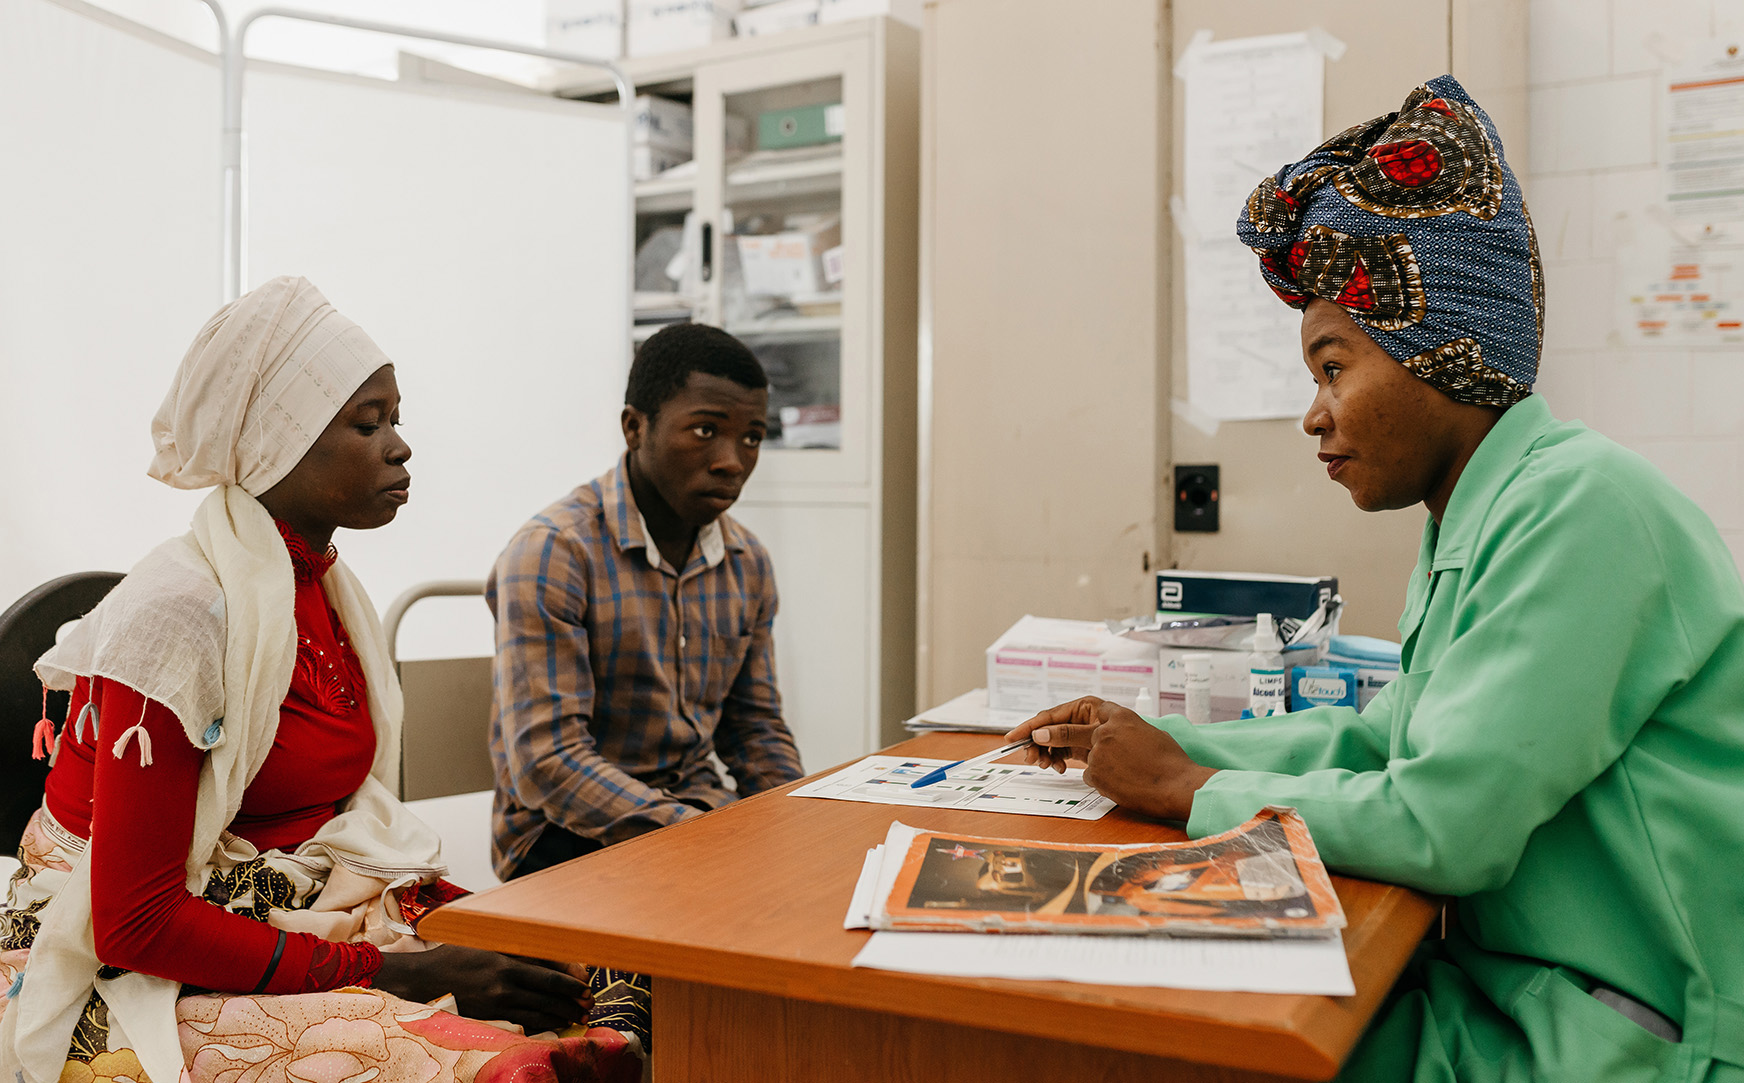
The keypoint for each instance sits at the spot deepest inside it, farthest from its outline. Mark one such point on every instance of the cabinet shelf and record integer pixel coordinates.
(788, 327)
(666, 194)
(780, 174)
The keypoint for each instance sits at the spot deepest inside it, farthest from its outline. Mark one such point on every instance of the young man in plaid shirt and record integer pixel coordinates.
(634, 623)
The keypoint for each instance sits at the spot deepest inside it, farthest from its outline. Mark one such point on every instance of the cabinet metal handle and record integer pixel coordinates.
(707, 270)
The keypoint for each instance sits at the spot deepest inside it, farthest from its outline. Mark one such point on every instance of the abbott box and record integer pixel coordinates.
(1243, 594)
(1041, 661)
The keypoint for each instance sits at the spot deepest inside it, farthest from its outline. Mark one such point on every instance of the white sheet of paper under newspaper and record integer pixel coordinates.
(1247, 966)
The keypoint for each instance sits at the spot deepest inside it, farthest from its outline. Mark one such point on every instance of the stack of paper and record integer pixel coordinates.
(968, 712)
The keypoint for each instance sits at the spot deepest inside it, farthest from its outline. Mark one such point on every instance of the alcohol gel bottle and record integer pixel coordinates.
(1265, 671)
(1198, 667)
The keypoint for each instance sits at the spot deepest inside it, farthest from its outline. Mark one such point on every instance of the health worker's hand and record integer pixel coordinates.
(1125, 758)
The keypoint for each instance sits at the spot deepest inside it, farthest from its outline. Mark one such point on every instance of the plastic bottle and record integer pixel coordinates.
(1144, 706)
(1198, 668)
(1266, 682)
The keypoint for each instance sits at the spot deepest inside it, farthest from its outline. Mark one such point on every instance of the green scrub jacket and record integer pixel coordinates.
(1563, 751)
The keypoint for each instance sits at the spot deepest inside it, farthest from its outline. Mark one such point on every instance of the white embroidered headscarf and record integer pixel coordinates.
(205, 624)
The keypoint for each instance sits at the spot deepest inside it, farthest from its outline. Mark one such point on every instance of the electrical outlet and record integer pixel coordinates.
(1196, 498)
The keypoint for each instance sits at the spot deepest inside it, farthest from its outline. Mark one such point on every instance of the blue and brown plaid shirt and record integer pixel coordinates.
(617, 675)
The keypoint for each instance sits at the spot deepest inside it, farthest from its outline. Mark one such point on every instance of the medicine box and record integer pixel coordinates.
(662, 122)
(1322, 686)
(1243, 594)
(1042, 661)
(1376, 662)
(791, 262)
(801, 126)
(590, 28)
(669, 26)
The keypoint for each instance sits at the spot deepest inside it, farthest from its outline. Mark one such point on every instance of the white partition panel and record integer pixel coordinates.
(109, 263)
(480, 238)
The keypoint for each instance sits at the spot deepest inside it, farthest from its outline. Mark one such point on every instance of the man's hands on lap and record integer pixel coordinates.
(1125, 758)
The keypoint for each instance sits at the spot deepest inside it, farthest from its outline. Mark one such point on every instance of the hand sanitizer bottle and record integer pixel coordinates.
(1265, 671)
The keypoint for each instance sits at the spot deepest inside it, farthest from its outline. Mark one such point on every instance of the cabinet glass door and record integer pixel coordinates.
(784, 197)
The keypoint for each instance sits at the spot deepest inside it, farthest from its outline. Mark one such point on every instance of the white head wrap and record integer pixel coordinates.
(258, 386)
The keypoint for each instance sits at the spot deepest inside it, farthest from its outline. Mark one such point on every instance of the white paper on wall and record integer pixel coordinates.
(1251, 105)
(1679, 284)
(1702, 141)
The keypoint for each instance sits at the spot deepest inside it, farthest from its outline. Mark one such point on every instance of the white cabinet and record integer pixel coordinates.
(797, 224)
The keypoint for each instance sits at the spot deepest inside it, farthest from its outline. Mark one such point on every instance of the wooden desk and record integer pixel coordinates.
(738, 917)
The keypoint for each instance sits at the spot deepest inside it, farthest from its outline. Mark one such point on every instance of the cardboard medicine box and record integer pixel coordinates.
(791, 262)
(1041, 661)
(662, 122)
(801, 126)
(669, 26)
(1243, 594)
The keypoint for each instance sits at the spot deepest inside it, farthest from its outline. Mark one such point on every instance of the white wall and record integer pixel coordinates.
(1593, 172)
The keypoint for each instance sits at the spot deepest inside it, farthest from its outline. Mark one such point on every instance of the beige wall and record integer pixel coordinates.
(1041, 234)
(1047, 167)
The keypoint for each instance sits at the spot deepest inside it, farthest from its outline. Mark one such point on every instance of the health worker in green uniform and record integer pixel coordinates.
(1563, 752)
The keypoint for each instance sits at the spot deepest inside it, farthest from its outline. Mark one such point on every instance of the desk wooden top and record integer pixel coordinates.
(752, 897)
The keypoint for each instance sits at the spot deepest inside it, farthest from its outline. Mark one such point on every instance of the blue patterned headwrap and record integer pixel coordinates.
(1414, 224)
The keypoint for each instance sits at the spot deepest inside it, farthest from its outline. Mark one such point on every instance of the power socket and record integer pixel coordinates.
(1196, 498)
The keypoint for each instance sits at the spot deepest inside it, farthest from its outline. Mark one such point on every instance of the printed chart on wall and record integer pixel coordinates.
(1675, 291)
(1702, 151)
(1251, 104)
(999, 787)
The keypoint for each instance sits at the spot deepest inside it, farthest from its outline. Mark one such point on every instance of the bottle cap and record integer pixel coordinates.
(1266, 635)
(1197, 665)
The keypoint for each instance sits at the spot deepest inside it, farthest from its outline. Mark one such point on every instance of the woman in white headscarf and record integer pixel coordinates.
(216, 821)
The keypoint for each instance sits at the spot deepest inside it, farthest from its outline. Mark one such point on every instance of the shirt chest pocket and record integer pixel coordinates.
(723, 655)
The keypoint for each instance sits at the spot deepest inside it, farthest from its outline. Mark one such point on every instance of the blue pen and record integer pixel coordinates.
(938, 774)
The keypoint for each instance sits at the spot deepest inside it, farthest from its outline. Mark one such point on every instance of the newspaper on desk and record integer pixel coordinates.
(1176, 890)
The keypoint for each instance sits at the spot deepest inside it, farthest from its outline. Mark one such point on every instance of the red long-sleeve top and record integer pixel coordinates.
(140, 820)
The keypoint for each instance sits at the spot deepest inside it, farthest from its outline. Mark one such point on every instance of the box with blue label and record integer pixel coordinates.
(1243, 594)
(1322, 686)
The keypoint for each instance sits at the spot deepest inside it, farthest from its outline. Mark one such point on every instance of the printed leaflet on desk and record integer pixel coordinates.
(997, 787)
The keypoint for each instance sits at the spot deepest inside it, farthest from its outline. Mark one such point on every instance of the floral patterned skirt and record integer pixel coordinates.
(341, 1036)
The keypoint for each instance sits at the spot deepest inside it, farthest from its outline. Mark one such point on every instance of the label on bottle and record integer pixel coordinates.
(1265, 691)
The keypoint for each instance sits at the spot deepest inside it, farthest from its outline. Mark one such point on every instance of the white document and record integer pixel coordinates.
(1252, 105)
(1247, 966)
(1677, 290)
(1702, 153)
(968, 712)
(997, 787)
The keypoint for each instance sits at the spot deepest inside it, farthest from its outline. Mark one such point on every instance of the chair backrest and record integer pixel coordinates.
(27, 629)
(445, 748)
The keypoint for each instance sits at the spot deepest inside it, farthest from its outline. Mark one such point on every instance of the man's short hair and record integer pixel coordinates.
(666, 360)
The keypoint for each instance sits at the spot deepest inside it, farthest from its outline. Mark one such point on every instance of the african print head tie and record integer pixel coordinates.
(1414, 224)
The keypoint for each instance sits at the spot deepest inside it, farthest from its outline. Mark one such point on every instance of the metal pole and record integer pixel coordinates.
(234, 64)
(230, 184)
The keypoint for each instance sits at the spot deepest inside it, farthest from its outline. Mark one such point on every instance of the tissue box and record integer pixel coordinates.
(1322, 686)
(1041, 661)
(590, 28)
(668, 26)
(1376, 662)
(1243, 594)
